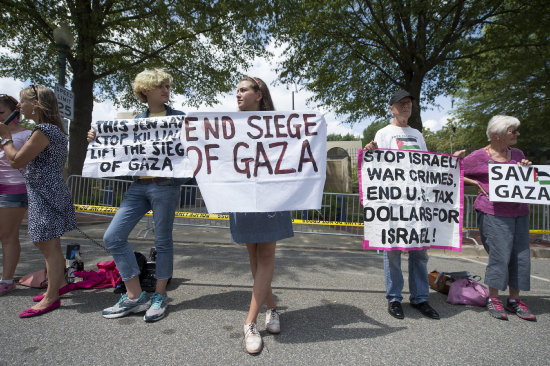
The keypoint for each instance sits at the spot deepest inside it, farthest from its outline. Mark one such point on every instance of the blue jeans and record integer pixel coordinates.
(506, 240)
(162, 198)
(418, 276)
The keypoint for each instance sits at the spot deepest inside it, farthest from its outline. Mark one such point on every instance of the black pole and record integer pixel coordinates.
(62, 63)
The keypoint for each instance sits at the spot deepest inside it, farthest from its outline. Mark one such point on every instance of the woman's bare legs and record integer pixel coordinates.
(252, 256)
(55, 267)
(262, 263)
(9, 235)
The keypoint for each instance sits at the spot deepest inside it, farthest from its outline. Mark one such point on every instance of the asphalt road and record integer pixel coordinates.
(333, 312)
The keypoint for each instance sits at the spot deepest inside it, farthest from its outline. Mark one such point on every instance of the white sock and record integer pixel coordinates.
(6, 281)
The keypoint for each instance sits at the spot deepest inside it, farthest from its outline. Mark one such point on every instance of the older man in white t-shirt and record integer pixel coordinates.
(399, 135)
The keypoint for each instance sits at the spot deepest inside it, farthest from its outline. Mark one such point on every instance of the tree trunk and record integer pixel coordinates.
(414, 87)
(82, 87)
(416, 120)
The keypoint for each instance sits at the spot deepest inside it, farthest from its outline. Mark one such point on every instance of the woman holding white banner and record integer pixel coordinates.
(504, 226)
(260, 232)
(159, 194)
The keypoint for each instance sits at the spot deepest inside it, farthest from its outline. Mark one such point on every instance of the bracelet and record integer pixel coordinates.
(5, 141)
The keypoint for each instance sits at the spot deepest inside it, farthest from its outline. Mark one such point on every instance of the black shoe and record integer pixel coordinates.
(426, 310)
(395, 310)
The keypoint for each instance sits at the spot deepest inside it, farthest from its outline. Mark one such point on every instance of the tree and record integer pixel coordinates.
(338, 137)
(511, 80)
(203, 44)
(370, 131)
(352, 54)
(449, 139)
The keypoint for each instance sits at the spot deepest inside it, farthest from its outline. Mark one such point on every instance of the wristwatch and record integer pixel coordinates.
(4, 141)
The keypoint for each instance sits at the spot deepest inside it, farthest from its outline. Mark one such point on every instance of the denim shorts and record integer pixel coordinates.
(8, 200)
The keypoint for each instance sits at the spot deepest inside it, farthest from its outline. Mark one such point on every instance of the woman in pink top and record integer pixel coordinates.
(504, 226)
(13, 198)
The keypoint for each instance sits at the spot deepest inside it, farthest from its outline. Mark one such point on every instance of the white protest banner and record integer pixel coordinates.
(412, 200)
(259, 161)
(243, 161)
(138, 147)
(513, 183)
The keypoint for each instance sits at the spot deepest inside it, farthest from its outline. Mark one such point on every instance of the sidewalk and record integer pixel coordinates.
(95, 226)
(330, 293)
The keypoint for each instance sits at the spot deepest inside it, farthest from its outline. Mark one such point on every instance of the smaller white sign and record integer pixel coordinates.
(65, 100)
(513, 183)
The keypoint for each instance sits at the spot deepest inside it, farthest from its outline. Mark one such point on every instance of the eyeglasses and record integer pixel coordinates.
(513, 132)
(35, 92)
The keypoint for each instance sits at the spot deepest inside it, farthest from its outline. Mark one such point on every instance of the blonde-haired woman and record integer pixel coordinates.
(50, 211)
(153, 81)
(146, 193)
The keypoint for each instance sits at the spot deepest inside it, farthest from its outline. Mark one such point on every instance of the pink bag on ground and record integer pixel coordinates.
(466, 291)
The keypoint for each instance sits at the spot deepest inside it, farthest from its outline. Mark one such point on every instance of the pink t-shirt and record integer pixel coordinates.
(10, 177)
(476, 167)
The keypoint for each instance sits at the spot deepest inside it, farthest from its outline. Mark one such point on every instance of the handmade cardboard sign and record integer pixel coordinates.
(412, 200)
(243, 161)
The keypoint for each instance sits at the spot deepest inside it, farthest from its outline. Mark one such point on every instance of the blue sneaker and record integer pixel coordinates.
(157, 309)
(126, 306)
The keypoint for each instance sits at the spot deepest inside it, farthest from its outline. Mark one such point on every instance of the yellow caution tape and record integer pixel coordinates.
(198, 215)
(327, 223)
(207, 216)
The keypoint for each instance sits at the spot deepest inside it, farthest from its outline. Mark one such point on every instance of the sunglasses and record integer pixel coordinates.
(35, 92)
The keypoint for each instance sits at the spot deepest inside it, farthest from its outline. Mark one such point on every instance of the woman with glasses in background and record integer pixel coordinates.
(13, 197)
(504, 226)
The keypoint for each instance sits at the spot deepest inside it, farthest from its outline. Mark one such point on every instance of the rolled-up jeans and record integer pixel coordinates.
(162, 197)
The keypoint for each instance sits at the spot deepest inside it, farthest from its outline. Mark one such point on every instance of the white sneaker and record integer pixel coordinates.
(272, 323)
(157, 309)
(252, 338)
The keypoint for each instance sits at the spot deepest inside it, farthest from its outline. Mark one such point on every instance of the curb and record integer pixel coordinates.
(467, 251)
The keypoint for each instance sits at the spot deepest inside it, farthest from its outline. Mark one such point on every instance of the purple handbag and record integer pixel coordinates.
(467, 291)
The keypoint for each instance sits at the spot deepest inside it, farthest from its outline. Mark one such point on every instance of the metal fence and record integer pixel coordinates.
(342, 211)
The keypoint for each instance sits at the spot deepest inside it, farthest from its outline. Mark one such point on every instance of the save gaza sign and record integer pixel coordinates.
(513, 183)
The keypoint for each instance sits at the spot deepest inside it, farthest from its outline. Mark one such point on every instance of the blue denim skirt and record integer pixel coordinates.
(260, 227)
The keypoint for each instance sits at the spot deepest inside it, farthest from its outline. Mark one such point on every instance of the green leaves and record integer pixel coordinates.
(513, 77)
(203, 44)
(353, 54)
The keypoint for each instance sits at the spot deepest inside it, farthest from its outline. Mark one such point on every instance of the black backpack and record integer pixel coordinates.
(146, 273)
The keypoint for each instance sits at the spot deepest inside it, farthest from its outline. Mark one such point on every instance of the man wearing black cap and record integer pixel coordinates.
(399, 135)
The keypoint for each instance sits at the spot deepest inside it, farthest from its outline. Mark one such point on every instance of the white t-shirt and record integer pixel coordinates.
(401, 138)
(8, 175)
